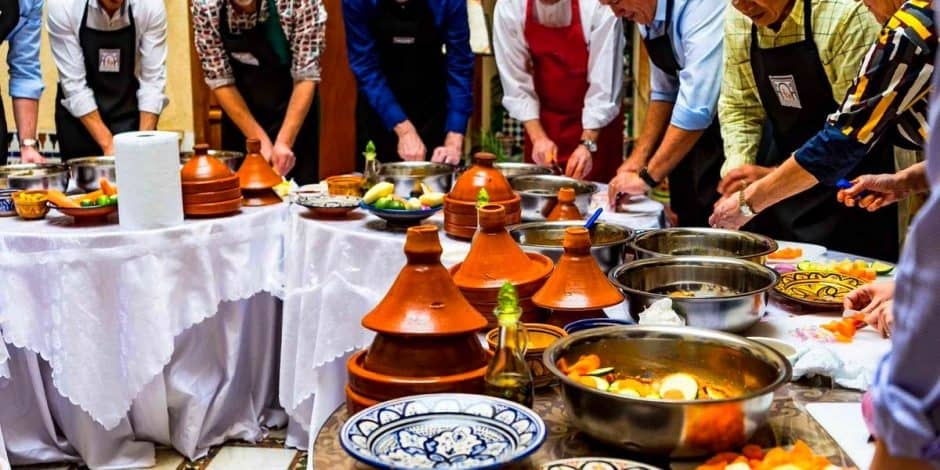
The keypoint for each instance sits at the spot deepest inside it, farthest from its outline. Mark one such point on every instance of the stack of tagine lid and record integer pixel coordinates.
(426, 334)
(494, 258)
(210, 189)
(460, 205)
(256, 177)
(578, 289)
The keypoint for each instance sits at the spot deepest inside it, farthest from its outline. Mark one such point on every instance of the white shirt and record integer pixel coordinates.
(603, 33)
(64, 21)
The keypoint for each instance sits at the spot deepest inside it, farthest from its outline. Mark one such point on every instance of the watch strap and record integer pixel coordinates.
(647, 178)
(744, 207)
(590, 145)
(28, 143)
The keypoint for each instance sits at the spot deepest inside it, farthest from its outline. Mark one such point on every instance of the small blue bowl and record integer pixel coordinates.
(589, 323)
(401, 217)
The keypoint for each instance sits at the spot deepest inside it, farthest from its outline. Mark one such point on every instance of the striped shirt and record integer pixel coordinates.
(887, 100)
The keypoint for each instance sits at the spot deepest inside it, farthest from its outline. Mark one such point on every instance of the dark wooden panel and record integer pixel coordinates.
(337, 99)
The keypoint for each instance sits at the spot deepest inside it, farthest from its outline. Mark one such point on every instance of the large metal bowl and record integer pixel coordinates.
(646, 281)
(608, 241)
(408, 177)
(539, 194)
(86, 172)
(703, 242)
(674, 428)
(513, 169)
(231, 159)
(35, 176)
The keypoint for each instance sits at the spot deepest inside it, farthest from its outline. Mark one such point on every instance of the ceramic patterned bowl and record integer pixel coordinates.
(401, 217)
(596, 463)
(31, 205)
(443, 431)
(329, 206)
(817, 288)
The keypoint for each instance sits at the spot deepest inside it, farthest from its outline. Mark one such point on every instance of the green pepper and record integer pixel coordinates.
(113, 199)
(396, 205)
(103, 200)
(87, 203)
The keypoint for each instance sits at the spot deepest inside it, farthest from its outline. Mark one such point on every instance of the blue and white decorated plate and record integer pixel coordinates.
(443, 431)
(401, 217)
(596, 463)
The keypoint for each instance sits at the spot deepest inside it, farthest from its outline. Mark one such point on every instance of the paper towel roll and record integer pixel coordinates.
(148, 166)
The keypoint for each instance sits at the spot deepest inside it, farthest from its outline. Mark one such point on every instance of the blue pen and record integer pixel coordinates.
(590, 223)
(846, 184)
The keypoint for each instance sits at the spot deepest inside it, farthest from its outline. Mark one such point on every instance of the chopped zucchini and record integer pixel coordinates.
(601, 371)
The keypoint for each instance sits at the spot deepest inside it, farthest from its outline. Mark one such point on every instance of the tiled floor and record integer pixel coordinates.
(269, 454)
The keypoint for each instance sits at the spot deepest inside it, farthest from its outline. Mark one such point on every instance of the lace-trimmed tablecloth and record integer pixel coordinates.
(103, 305)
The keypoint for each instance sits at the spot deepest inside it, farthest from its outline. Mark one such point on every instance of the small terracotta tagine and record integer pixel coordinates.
(565, 209)
(210, 189)
(426, 333)
(256, 177)
(494, 258)
(578, 289)
(460, 205)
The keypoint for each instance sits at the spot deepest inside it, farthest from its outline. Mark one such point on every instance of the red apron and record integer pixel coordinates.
(560, 75)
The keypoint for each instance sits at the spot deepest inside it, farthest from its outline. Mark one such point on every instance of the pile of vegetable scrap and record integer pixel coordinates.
(752, 457)
(845, 328)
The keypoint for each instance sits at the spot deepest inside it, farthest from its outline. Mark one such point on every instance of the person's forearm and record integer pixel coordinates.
(914, 178)
(787, 180)
(297, 110)
(675, 145)
(654, 126)
(25, 112)
(533, 127)
(237, 110)
(148, 121)
(98, 130)
(590, 134)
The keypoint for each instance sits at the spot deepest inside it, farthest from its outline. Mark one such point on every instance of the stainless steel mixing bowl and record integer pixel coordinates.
(671, 427)
(35, 176)
(739, 288)
(513, 169)
(703, 242)
(539, 194)
(408, 176)
(86, 172)
(233, 160)
(608, 241)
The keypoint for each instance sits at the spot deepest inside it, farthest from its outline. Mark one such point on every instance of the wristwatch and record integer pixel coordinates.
(744, 207)
(28, 143)
(647, 178)
(590, 145)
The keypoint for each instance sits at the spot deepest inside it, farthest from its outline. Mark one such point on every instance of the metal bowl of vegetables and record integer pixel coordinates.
(703, 242)
(670, 391)
(608, 241)
(26, 176)
(539, 194)
(88, 171)
(711, 292)
(408, 177)
(513, 169)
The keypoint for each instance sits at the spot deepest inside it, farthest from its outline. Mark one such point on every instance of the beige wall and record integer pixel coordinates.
(177, 116)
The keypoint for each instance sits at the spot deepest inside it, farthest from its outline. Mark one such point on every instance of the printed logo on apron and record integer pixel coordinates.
(109, 60)
(403, 40)
(785, 88)
(246, 58)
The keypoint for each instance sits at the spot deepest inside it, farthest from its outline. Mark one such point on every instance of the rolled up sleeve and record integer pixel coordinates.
(459, 66)
(151, 96)
(702, 31)
(512, 59)
(23, 56)
(604, 96)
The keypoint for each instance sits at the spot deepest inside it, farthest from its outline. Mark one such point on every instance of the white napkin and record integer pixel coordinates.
(661, 313)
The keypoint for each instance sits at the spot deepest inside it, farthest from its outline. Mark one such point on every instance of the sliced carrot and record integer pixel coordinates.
(722, 457)
(59, 199)
(106, 186)
(753, 452)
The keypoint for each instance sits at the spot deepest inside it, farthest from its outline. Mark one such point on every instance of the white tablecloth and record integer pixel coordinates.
(338, 271)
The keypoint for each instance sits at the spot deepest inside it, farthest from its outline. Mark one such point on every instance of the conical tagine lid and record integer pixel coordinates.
(578, 282)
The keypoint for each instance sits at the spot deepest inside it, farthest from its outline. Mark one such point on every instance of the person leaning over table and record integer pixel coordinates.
(20, 22)
(786, 61)
(680, 137)
(261, 58)
(414, 67)
(111, 58)
(561, 66)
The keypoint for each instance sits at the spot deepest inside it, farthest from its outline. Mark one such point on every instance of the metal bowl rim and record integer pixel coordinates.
(48, 167)
(774, 276)
(101, 160)
(581, 187)
(703, 231)
(436, 169)
(525, 225)
(220, 154)
(783, 376)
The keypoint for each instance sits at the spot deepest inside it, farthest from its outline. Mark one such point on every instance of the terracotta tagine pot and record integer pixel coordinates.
(210, 189)
(577, 289)
(494, 258)
(460, 204)
(565, 209)
(426, 333)
(256, 173)
(202, 167)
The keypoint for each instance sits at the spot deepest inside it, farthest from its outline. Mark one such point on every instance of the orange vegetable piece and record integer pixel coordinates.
(562, 365)
(106, 187)
(59, 199)
(722, 457)
(585, 364)
(786, 253)
(753, 452)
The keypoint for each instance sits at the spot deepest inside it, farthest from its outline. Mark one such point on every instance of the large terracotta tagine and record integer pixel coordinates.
(210, 189)
(494, 258)
(426, 338)
(460, 205)
(565, 209)
(578, 289)
(257, 178)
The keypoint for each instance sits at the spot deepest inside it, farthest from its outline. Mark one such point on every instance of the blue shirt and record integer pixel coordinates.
(450, 17)
(23, 56)
(696, 31)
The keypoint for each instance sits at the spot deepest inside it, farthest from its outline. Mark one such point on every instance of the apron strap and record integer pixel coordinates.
(807, 28)
(275, 34)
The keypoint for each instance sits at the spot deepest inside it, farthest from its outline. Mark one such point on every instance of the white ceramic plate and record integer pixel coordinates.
(596, 463)
(810, 252)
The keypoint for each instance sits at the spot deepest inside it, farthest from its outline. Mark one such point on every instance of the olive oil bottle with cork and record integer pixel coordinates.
(508, 376)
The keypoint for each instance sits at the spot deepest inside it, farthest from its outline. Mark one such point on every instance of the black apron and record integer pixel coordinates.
(797, 98)
(110, 71)
(9, 18)
(412, 60)
(693, 183)
(264, 80)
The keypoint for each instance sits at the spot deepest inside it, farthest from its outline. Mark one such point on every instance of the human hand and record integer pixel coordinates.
(741, 177)
(876, 301)
(727, 213)
(544, 151)
(31, 155)
(882, 190)
(626, 183)
(452, 150)
(410, 146)
(282, 158)
(267, 148)
(580, 163)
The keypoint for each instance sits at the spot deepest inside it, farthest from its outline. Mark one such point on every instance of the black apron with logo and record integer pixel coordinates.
(9, 18)
(797, 98)
(110, 71)
(412, 60)
(693, 183)
(265, 82)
